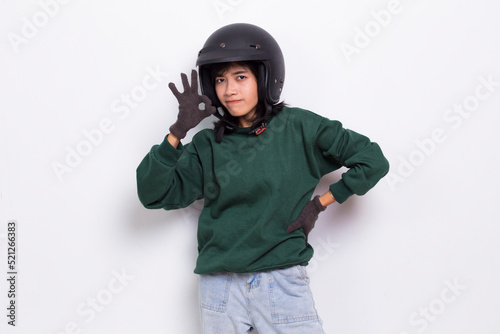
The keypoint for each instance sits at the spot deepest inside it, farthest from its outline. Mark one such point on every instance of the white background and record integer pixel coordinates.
(384, 262)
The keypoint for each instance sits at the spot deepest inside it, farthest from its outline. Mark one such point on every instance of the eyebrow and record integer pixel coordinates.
(233, 73)
(240, 72)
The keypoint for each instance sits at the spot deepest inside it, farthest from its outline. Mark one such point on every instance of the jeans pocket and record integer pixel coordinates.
(290, 296)
(214, 291)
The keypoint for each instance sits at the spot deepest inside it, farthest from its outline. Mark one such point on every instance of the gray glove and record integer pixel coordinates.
(307, 217)
(190, 114)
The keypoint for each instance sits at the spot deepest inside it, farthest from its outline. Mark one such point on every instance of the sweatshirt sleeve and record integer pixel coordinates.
(364, 159)
(169, 178)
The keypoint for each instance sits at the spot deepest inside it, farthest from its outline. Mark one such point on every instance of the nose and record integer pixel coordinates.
(231, 88)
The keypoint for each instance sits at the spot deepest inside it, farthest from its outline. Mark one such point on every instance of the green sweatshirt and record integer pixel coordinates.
(254, 186)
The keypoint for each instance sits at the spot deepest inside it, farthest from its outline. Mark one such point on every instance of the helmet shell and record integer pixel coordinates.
(243, 42)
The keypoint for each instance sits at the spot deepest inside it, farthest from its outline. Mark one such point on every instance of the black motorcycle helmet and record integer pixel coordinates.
(243, 42)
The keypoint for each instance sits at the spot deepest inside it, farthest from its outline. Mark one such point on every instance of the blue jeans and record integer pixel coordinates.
(273, 302)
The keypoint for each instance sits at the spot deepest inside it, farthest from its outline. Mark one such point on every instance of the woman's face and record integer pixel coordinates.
(237, 90)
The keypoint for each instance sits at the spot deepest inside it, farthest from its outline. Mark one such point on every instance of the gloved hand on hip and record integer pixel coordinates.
(190, 114)
(307, 217)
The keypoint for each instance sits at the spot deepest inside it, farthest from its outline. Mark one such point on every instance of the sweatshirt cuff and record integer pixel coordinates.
(166, 153)
(340, 191)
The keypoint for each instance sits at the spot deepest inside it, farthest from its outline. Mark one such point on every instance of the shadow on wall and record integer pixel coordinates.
(338, 215)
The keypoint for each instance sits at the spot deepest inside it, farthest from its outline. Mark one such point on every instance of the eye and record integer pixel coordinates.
(241, 77)
(219, 80)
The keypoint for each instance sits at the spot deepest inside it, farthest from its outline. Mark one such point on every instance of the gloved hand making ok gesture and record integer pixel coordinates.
(190, 114)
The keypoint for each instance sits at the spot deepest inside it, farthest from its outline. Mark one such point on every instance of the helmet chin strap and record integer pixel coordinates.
(228, 123)
(261, 125)
(257, 128)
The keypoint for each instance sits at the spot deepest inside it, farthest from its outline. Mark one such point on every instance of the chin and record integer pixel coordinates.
(237, 113)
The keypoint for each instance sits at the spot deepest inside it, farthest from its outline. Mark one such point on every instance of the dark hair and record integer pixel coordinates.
(227, 123)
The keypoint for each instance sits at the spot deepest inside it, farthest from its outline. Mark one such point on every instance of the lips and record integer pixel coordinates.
(233, 101)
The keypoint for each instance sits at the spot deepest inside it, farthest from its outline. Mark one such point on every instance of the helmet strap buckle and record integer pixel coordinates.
(260, 129)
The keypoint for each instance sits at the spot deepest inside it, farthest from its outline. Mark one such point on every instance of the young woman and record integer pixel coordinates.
(256, 172)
